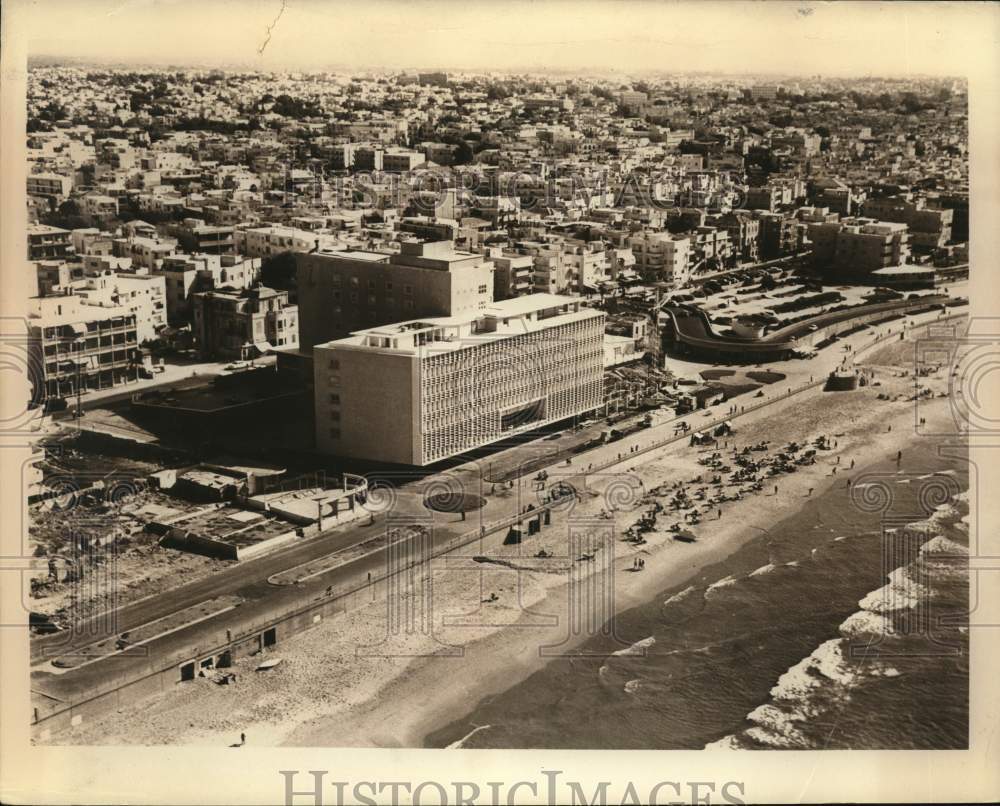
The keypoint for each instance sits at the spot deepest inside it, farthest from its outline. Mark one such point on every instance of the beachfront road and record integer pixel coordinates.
(261, 600)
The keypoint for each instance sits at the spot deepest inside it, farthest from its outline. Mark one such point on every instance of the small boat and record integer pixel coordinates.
(685, 537)
(268, 665)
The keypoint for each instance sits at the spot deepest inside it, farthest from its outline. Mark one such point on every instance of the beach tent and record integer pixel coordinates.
(698, 438)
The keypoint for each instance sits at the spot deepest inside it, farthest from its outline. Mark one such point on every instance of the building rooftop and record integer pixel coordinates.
(359, 254)
(502, 320)
(45, 229)
(904, 270)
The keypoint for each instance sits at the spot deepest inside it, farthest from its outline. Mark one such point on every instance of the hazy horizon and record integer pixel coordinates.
(834, 40)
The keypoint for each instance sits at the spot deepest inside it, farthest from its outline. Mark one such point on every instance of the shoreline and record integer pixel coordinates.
(440, 704)
(759, 554)
(338, 688)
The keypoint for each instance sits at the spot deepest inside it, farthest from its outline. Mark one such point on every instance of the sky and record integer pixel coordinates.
(623, 36)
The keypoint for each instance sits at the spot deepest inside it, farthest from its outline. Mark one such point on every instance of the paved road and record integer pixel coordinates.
(249, 579)
(263, 601)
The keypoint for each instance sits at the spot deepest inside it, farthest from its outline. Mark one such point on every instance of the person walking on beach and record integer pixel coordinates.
(775, 489)
(243, 738)
(852, 464)
(720, 514)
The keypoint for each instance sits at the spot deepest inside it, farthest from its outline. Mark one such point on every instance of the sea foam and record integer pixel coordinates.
(681, 595)
(638, 648)
(725, 582)
(775, 727)
(866, 624)
(901, 593)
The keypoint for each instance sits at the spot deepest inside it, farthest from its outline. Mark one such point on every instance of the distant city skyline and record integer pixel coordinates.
(838, 40)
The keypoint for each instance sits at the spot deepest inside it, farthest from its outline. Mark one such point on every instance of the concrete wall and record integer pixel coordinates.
(379, 405)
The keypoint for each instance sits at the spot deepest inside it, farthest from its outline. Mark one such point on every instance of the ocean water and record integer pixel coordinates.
(843, 626)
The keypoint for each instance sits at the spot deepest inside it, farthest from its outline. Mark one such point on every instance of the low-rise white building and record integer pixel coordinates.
(141, 294)
(662, 256)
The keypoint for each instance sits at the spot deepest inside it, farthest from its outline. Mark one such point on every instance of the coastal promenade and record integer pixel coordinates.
(269, 612)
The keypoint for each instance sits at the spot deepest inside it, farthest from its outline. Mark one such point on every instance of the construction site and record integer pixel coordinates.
(111, 529)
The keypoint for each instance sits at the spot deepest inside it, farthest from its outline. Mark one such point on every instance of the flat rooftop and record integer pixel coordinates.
(358, 254)
(502, 320)
(529, 303)
(904, 270)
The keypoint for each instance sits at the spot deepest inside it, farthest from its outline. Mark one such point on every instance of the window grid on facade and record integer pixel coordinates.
(465, 394)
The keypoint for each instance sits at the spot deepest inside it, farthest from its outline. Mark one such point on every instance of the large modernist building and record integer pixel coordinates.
(342, 292)
(420, 391)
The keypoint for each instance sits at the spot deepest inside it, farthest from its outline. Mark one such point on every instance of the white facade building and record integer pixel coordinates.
(418, 392)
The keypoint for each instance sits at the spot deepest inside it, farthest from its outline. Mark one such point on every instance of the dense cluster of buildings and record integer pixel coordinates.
(413, 239)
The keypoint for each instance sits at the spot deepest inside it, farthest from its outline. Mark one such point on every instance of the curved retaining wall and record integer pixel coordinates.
(691, 330)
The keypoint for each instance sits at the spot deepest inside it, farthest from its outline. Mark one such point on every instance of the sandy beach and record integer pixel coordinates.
(353, 682)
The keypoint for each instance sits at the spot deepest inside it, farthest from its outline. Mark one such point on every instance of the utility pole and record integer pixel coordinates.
(79, 402)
